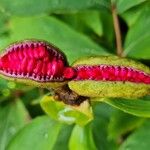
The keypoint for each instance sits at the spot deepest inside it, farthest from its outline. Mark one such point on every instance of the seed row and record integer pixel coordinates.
(21, 52)
(39, 67)
(112, 73)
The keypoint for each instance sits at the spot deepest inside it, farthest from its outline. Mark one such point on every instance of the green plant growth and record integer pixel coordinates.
(31, 118)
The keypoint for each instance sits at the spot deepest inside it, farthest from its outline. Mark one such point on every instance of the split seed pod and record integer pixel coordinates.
(35, 63)
(110, 76)
(40, 64)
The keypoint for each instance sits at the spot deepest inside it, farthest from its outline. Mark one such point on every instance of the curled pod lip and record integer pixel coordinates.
(110, 76)
(34, 62)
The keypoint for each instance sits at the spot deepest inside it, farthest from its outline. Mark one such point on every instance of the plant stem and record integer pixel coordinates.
(117, 31)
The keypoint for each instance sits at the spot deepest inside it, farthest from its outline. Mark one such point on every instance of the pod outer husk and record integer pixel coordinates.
(114, 89)
(59, 111)
(111, 60)
(30, 82)
(109, 89)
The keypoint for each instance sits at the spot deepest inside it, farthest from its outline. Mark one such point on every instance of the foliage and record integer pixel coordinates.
(79, 28)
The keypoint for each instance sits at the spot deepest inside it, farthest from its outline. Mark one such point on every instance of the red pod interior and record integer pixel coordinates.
(33, 59)
(110, 73)
(43, 62)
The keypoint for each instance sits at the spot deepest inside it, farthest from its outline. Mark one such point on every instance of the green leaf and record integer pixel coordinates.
(24, 7)
(123, 5)
(40, 134)
(34, 7)
(57, 110)
(63, 138)
(108, 31)
(81, 138)
(93, 21)
(74, 6)
(3, 25)
(139, 140)
(133, 14)
(31, 95)
(4, 40)
(13, 117)
(121, 123)
(137, 107)
(3, 84)
(73, 44)
(102, 115)
(137, 42)
(85, 21)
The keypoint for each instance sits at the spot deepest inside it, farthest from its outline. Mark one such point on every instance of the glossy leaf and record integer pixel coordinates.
(81, 114)
(123, 5)
(40, 134)
(34, 7)
(102, 114)
(24, 7)
(108, 31)
(121, 123)
(85, 21)
(56, 32)
(93, 21)
(139, 140)
(137, 107)
(13, 117)
(133, 14)
(81, 138)
(137, 42)
(63, 138)
(3, 27)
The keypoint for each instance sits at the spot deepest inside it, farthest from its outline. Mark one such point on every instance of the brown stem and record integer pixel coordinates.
(68, 96)
(117, 31)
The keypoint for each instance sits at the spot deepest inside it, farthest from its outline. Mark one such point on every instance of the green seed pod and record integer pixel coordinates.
(110, 76)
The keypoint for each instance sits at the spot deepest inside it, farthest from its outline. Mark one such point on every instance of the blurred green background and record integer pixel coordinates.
(79, 28)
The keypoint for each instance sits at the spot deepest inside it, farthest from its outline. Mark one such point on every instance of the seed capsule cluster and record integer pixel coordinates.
(35, 60)
(111, 73)
(42, 62)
